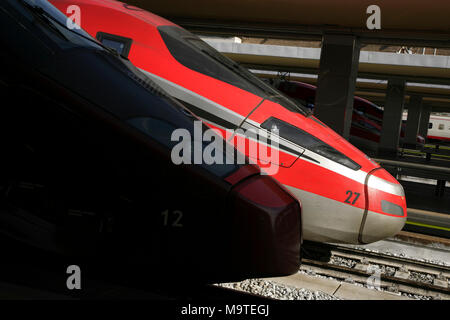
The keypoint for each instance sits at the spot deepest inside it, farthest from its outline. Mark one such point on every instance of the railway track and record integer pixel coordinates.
(400, 275)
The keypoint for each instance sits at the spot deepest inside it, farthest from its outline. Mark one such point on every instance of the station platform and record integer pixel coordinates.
(427, 212)
(422, 196)
(427, 222)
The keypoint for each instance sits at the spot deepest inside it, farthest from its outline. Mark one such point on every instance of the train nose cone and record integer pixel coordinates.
(385, 212)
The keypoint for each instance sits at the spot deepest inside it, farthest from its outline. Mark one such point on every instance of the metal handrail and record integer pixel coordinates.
(413, 165)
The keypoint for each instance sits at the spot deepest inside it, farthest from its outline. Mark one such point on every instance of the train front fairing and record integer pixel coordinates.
(345, 196)
(87, 172)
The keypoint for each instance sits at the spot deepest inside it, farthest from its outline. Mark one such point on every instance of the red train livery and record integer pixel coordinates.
(346, 197)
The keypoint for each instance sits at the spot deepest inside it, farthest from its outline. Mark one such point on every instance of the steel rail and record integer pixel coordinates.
(411, 285)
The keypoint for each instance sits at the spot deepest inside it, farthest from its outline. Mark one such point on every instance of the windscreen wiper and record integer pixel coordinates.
(43, 17)
(46, 17)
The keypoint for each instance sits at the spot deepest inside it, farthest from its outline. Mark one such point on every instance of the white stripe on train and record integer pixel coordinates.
(203, 103)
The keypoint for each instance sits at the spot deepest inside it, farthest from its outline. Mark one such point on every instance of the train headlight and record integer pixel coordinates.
(391, 208)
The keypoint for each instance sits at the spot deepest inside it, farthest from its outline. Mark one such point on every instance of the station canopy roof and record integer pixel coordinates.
(409, 22)
(372, 64)
(426, 75)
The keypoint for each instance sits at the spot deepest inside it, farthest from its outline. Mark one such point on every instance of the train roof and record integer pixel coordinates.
(368, 102)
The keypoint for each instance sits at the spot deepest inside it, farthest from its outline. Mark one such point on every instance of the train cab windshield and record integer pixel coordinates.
(54, 24)
(195, 54)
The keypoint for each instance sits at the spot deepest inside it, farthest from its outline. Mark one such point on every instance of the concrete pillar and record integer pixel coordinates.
(339, 59)
(413, 121)
(424, 120)
(392, 118)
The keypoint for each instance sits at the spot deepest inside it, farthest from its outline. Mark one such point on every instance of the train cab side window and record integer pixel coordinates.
(120, 44)
(308, 141)
(441, 126)
(430, 125)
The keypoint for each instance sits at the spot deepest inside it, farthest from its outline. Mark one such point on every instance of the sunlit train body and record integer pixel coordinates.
(367, 117)
(345, 196)
(87, 171)
(438, 127)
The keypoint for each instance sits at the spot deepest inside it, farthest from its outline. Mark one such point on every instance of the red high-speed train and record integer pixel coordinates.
(87, 174)
(367, 117)
(345, 196)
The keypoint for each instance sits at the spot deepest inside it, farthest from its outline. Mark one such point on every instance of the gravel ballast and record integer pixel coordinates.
(277, 291)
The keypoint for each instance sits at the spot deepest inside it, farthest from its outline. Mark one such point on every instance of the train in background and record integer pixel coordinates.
(367, 117)
(346, 197)
(438, 127)
(87, 175)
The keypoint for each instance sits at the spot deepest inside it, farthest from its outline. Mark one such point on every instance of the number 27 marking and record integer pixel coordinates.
(350, 195)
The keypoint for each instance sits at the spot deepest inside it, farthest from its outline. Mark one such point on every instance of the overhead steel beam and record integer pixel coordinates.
(403, 22)
(366, 75)
(424, 119)
(336, 82)
(413, 120)
(392, 118)
(436, 106)
(372, 65)
(367, 88)
(412, 165)
(433, 40)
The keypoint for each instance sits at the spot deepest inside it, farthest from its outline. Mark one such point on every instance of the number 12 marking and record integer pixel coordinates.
(350, 195)
(176, 222)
